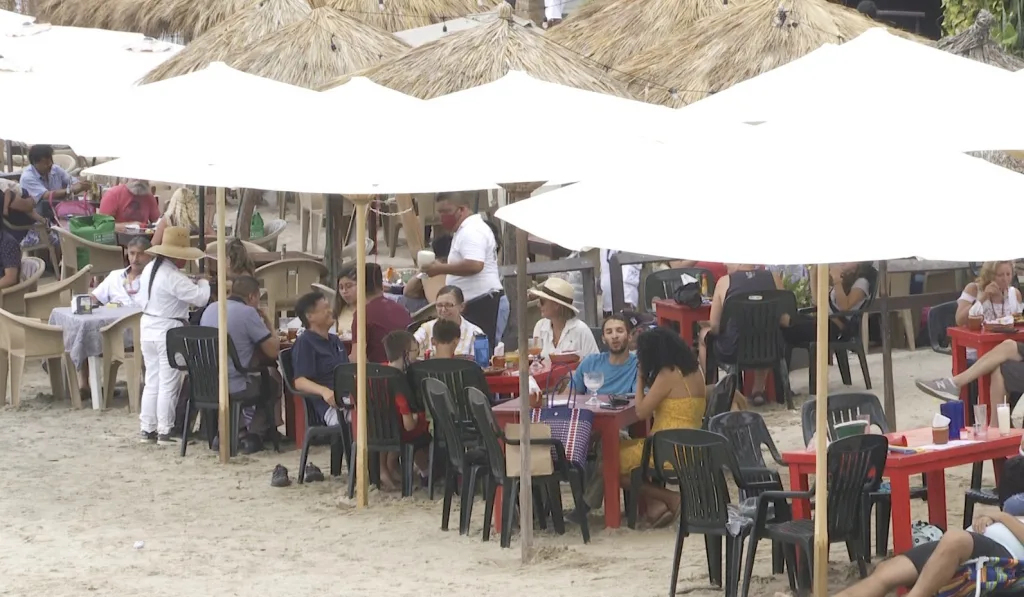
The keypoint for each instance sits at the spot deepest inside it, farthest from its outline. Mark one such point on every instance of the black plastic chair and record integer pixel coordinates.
(698, 460)
(843, 408)
(197, 348)
(940, 318)
(340, 436)
(854, 465)
(457, 375)
(721, 398)
(757, 317)
(467, 463)
(491, 437)
(663, 284)
(599, 338)
(383, 424)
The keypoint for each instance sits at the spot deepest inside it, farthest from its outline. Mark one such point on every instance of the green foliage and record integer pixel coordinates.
(958, 15)
(801, 289)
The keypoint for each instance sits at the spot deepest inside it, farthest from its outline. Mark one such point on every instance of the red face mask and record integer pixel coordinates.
(450, 222)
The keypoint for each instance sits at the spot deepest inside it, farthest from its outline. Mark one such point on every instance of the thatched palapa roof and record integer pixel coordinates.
(117, 15)
(742, 42)
(321, 47)
(399, 15)
(614, 31)
(484, 54)
(233, 35)
(976, 43)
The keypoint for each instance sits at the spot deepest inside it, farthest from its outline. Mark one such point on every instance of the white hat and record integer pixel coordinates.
(556, 290)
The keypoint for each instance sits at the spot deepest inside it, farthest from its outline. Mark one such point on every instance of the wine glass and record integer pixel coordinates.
(535, 348)
(593, 380)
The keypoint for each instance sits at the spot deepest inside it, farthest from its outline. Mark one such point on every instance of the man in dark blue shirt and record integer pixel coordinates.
(316, 354)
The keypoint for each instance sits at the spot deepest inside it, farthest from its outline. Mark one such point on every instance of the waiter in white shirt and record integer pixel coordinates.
(166, 294)
(121, 287)
(472, 262)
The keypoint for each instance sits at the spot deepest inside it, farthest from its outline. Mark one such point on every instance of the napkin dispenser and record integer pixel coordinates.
(81, 304)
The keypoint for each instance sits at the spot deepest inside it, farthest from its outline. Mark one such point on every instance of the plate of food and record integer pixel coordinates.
(494, 370)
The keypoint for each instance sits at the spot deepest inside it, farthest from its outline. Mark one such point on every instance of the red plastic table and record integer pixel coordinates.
(961, 339)
(667, 310)
(899, 468)
(509, 384)
(607, 424)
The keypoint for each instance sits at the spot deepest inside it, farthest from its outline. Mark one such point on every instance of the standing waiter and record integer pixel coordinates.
(472, 263)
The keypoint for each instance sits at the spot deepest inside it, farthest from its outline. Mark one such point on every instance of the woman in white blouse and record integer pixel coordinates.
(449, 304)
(994, 290)
(165, 294)
(560, 330)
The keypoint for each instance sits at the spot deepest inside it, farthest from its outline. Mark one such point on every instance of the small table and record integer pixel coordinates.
(900, 467)
(509, 384)
(607, 424)
(84, 342)
(667, 310)
(961, 339)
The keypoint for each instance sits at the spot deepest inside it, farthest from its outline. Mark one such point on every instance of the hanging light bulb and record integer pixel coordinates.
(444, 26)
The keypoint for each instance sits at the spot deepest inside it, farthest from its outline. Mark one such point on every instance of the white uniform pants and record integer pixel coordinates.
(160, 396)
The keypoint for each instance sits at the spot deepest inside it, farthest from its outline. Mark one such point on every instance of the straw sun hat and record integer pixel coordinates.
(176, 245)
(555, 290)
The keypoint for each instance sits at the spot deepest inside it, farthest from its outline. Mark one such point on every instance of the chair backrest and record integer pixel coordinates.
(855, 465)
(697, 458)
(287, 370)
(720, 400)
(747, 434)
(65, 161)
(490, 434)
(599, 338)
(330, 293)
(842, 408)
(383, 385)
(39, 304)
(12, 298)
(756, 317)
(663, 284)
(104, 258)
(113, 335)
(439, 402)
(288, 279)
(940, 318)
(458, 375)
(31, 336)
(193, 348)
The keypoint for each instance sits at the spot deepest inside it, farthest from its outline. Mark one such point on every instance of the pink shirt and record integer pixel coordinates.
(125, 207)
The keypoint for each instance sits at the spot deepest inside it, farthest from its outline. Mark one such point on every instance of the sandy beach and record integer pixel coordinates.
(79, 492)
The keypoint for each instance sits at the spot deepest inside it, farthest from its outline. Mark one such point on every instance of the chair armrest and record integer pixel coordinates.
(780, 498)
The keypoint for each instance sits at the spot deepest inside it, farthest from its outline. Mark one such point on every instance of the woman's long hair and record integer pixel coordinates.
(987, 275)
(660, 349)
(864, 270)
(184, 209)
(238, 259)
(339, 302)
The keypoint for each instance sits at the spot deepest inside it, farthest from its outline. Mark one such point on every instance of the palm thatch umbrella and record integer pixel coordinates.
(233, 35)
(193, 18)
(321, 47)
(399, 15)
(732, 46)
(118, 15)
(484, 54)
(976, 43)
(614, 31)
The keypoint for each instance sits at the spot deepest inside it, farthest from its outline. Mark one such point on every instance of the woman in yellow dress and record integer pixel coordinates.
(669, 387)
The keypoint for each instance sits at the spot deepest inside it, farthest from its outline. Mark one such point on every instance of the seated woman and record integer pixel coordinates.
(560, 330)
(930, 566)
(345, 302)
(183, 211)
(449, 304)
(669, 387)
(994, 290)
(851, 287)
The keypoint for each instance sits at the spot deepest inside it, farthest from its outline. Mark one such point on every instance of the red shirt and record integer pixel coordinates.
(422, 426)
(718, 270)
(125, 207)
(383, 316)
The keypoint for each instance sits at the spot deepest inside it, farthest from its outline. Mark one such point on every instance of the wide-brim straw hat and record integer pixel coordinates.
(176, 245)
(556, 290)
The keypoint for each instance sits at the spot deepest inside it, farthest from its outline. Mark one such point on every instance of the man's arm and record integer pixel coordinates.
(1012, 523)
(32, 184)
(101, 294)
(304, 384)
(260, 334)
(466, 267)
(10, 277)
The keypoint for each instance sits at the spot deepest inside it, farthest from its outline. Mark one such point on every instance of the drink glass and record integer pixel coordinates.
(593, 380)
(981, 421)
(535, 348)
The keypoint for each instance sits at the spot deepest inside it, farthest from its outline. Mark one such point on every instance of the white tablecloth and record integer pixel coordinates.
(82, 332)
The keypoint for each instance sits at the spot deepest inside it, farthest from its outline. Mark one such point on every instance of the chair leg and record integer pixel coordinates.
(778, 558)
(186, 427)
(792, 572)
(510, 497)
(748, 567)
(968, 512)
(713, 547)
(883, 512)
(233, 423)
(812, 367)
(70, 376)
(633, 499)
(304, 227)
(489, 491)
(337, 455)
(576, 484)
(863, 358)
(408, 472)
(734, 558)
(730, 546)
(469, 476)
(446, 503)
(303, 456)
(5, 366)
(865, 525)
(540, 506)
(843, 360)
(557, 510)
(16, 371)
(110, 367)
(430, 470)
(133, 370)
(351, 473)
(677, 555)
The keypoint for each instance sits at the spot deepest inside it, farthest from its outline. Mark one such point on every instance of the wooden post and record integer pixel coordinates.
(883, 300)
(516, 192)
(362, 471)
(223, 411)
(821, 442)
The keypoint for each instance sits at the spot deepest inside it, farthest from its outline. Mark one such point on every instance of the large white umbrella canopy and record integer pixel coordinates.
(362, 95)
(786, 201)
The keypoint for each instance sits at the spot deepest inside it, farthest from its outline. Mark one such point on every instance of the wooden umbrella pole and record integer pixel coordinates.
(223, 411)
(821, 440)
(887, 388)
(516, 192)
(362, 460)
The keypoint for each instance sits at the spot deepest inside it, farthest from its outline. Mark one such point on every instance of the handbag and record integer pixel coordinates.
(69, 208)
(688, 295)
(569, 425)
(541, 463)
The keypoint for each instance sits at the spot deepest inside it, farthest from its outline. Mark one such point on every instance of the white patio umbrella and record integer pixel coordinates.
(364, 96)
(10, 20)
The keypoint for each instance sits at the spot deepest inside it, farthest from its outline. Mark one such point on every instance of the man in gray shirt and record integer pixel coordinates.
(254, 342)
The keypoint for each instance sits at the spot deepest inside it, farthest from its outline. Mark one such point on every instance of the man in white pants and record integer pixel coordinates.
(166, 294)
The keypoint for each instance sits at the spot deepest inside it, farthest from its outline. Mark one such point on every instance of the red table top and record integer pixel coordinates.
(975, 338)
(509, 384)
(624, 416)
(957, 455)
(672, 305)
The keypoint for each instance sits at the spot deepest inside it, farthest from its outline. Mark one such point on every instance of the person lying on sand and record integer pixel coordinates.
(930, 566)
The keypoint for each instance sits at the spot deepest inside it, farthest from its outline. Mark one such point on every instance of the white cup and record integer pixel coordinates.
(425, 258)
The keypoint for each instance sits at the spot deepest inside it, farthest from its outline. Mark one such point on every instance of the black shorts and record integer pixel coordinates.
(1013, 375)
(983, 546)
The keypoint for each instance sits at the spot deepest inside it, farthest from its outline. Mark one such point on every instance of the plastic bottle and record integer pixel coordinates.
(1003, 416)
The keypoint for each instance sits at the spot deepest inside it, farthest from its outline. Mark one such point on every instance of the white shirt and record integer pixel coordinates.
(467, 332)
(630, 281)
(474, 241)
(861, 284)
(116, 288)
(165, 307)
(1003, 536)
(576, 337)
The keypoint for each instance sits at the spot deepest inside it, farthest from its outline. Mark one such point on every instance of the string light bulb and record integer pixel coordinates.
(673, 94)
(444, 25)
(334, 48)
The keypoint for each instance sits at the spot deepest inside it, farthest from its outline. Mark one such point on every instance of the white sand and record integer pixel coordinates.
(77, 492)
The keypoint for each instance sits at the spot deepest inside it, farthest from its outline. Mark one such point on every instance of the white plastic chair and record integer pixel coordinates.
(115, 355)
(22, 338)
(12, 298)
(42, 302)
(311, 219)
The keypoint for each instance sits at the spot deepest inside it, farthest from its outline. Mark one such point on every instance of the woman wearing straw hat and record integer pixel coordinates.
(166, 294)
(560, 330)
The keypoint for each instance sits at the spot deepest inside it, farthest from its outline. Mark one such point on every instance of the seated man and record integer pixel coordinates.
(316, 354)
(1005, 363)
(130, 203)
(930, 566)
(383, 316)
(121, 287)
(46, 182)
(618, 364)
(250, 333)
(403, 349)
